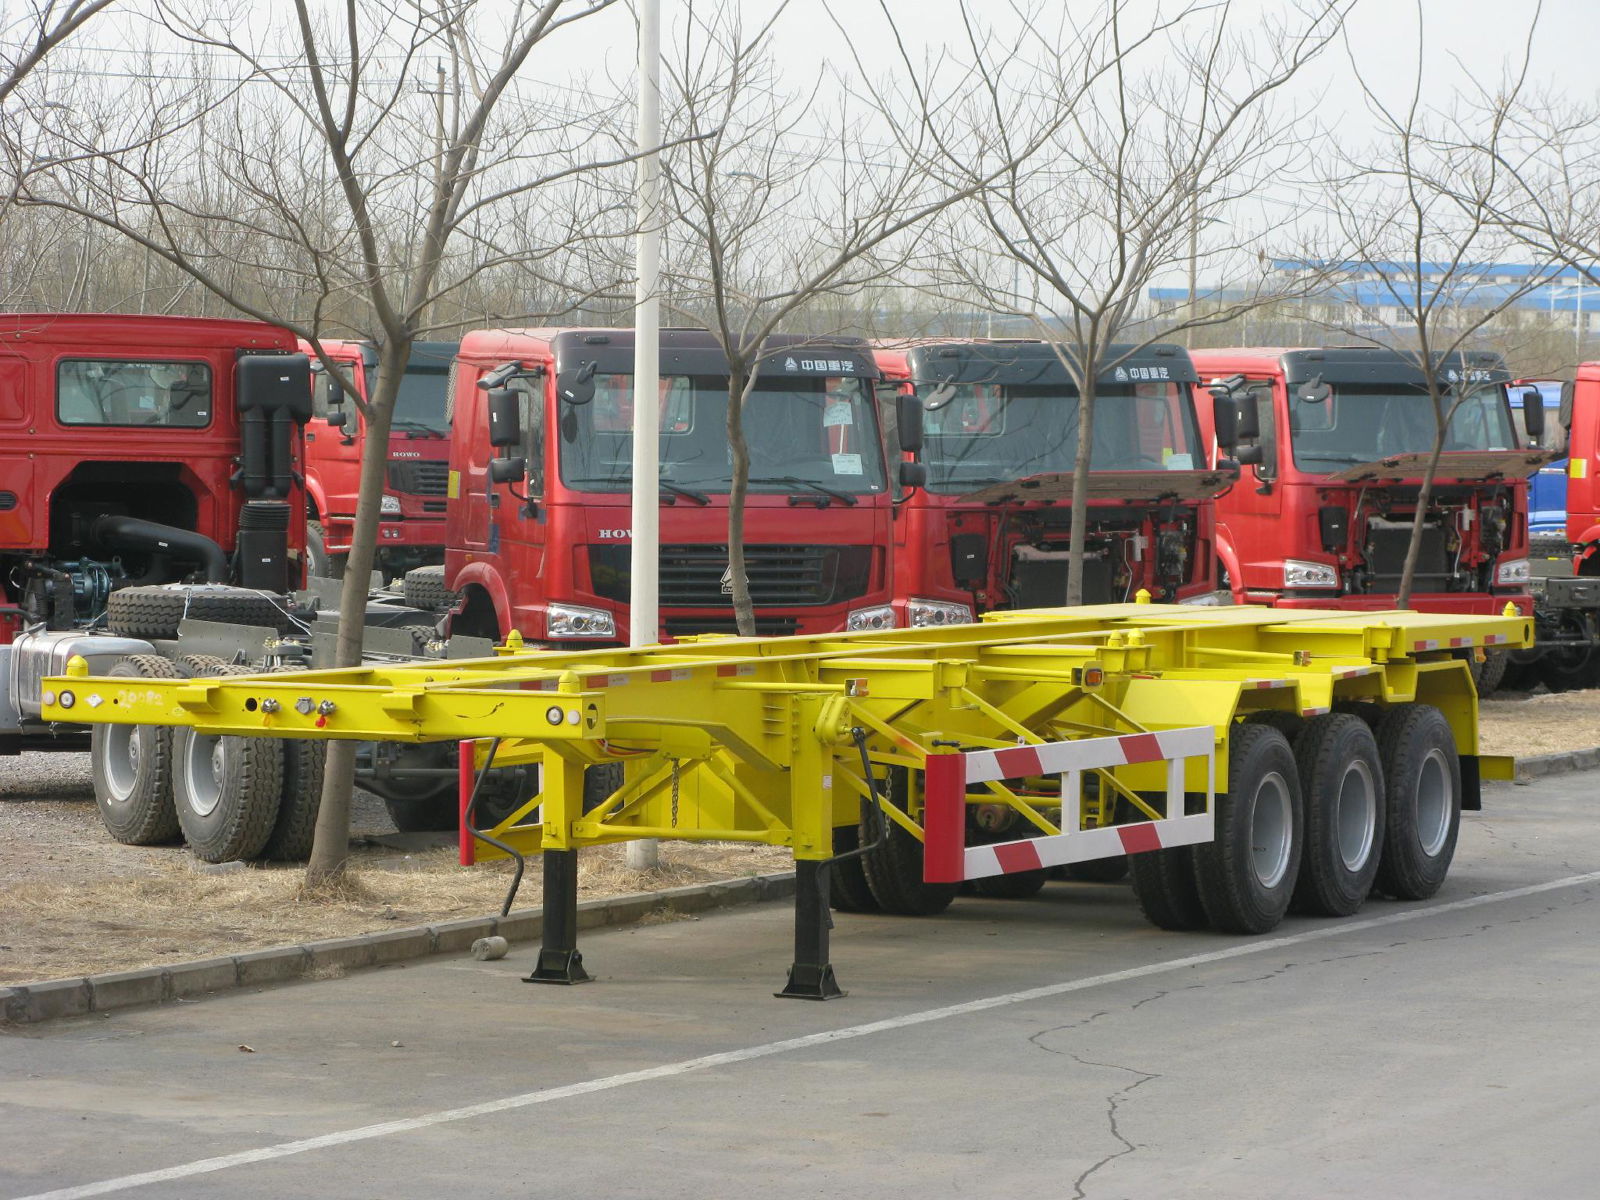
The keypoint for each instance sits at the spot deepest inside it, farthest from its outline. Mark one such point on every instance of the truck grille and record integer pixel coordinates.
(765, 626)
(1386, 556)
(419, 477)
(780, 576)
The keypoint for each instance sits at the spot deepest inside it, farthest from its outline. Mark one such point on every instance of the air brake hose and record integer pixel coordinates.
(870, 810)
(467, 819)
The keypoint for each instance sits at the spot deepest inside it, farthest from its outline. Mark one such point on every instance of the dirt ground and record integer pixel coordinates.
(73, 902)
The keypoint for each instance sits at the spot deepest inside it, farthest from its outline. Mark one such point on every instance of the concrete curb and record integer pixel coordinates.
(1537, 766)
(31, 1003)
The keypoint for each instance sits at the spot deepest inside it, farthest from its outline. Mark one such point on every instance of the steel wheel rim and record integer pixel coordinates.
(121, 758)
(1271, 830)
(1433, 803)
(204, 765)
(1356, 815)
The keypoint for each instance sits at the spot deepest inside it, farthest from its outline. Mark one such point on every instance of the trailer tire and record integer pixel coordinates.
(318, 561)
(433, 813)
(1099, 870)
(894, 870)
(423, 587)
(154, 611)
(1422, 783)
(1490, 674)
(132, 767)
(1165, 886)
(1341, 781)
(300, 798)
(1290, 724)
(848, 890)
(1019, 885)
(422, 637)
(1563, 670)
(1247, 872)
(227, 789)
(1520, 675)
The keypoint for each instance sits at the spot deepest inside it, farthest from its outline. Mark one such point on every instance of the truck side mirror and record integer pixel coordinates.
(577, 387)
(505, 422)
(1315, 391)
(335, 391)
(913, 474)
(1248, 424)
(508, 470)
(1533, 415)
(339, 418)
(908, 421)
(1250, 456)
(1225, 417)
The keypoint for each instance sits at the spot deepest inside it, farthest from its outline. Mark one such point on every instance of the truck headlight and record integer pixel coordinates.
(1298, 574)
(879, 616)
(575, 621)
(936, 612)
(1513, 572)
(390, 507)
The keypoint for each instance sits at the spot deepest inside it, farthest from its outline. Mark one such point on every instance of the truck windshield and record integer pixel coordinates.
(102, 391)
(802, 433)
(990, 434)
(422, 398)
(1366, 424)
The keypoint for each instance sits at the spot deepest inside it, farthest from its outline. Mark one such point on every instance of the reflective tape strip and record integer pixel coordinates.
(1032, 854)
(1052, 758)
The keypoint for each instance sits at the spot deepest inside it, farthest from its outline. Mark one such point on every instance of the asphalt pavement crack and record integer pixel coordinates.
(1113, 1103)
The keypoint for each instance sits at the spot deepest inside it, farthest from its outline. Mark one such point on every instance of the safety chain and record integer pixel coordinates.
(674, 793)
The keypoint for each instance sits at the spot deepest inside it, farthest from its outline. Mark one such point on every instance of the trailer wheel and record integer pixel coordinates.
(1019, 885)
(422, 638)
(132, 767)
(1566, 669)
(318, 560)
(433, 813)
(423, 587)
(1520, 675)
(1489, 675)
(1423, 790)
(1099, 870)
(1290, 724)
(894, 870)
(154, 611)
(1247, 873)
(227, 790)
(1342, 785)
(1165, 886)
(848, 890)
(300, 797)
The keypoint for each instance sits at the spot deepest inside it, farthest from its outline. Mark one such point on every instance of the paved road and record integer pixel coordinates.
(1057, 1047)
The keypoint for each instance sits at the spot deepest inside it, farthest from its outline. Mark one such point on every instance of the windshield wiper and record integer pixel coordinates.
(842, 497)
(699, 498)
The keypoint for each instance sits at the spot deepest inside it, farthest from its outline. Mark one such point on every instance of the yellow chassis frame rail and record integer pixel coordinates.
(785, 740)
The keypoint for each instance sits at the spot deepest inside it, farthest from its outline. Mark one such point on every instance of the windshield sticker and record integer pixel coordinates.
(1124, 374)
(1179, 462)
(847, 464)
(838, 412)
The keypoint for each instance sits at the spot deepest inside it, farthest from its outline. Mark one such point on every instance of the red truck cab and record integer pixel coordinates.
(543, 545)
(1334, 442)
(411, 529)
(1580, 413)
(989, 530)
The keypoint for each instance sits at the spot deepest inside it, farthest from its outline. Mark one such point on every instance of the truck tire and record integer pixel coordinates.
(154, 611)
(300, 798)
(318, 561)
(227, 790)
(1563, 668)
(1422, 790)
(424, 814)
(1520, 675)
(1341, 781)
(1098, 870)
(1165, 886)
(422, 638)
(1247, 872)
(894, 870)
(423, 587)
(1285, 722)
(848, 890)
(1491, 672)
(132, 767)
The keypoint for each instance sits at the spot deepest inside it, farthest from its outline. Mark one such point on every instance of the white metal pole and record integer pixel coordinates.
(644, 619)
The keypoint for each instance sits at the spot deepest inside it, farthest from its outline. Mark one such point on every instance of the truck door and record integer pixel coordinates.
(1250, 516)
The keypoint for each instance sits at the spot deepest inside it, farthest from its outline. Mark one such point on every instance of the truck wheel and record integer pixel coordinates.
(1285, 722)
(894, 870)
(226, 790)
(132, 767)
(154, 611)
(1164, 884)
(1563, 668)
(1520, 676)
(1019, 885)
(1247, 873)
(300, 797)
(1422, 777)
(423, 587)
(848, 890)
(318, 560)
(1099, 870)
(1342, 784)
(424, 814)
(1491, 673)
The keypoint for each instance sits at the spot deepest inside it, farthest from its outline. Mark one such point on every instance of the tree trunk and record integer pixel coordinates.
(1079, 529)
(330, 848)
(744, 612)
(1414, 546)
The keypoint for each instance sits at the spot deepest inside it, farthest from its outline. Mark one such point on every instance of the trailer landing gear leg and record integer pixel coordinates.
(560, 960)
(811, 975)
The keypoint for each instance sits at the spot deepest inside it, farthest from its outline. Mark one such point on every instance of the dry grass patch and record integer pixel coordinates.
(178, 913)
(1543, 724)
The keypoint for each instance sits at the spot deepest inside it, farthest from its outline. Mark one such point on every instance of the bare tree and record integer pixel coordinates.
(1431, 208)
(318, 160)
(1122, 138)
(26, 39)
